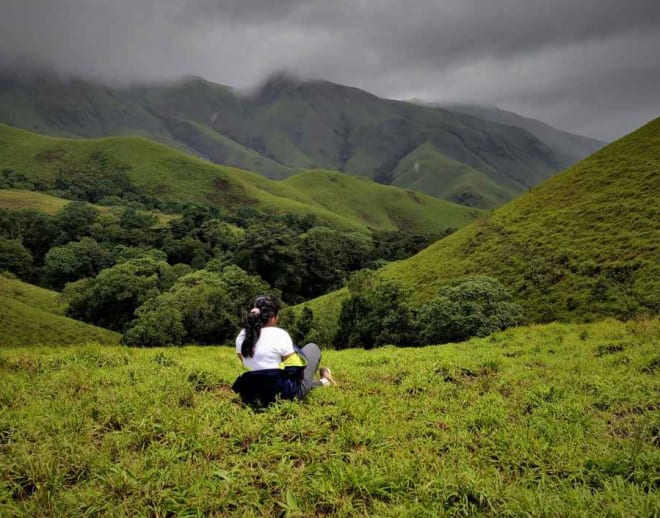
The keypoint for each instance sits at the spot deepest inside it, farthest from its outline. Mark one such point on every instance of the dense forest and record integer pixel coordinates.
(170, 272)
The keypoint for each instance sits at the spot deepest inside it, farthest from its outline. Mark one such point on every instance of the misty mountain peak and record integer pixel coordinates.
(277, 84)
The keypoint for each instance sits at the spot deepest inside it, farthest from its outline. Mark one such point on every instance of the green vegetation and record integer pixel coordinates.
(32, 315)
(581, 246)
(40, 298)
(120, 269)
(427, 170)
(374, 315)
(473, 306)
(201, 307)
(288, 125)
(17, 199)
(104, 168)
(378, 313)
(21, 199)
(559, 419)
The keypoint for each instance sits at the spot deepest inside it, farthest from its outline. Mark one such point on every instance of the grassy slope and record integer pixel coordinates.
(39, 298)
(559, 419)
(427, 170)
(363, 200)
(220, 149)
(35, 316)
(170, 174)
(584, 244)
(16, 199)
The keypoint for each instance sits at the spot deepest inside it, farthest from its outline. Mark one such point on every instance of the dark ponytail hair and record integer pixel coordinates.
(264, 309)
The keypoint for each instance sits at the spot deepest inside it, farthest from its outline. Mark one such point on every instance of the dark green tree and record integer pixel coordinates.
(15, 258)
(375, 314)
(472, 306)
(323, 261)
(75, 221)
(272, 252)
(201, 307)
(36, 230)
(73, 261)
(186, 250)
(302, 326)
(110, 299)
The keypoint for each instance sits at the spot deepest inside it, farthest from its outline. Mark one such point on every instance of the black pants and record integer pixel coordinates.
(313, 355)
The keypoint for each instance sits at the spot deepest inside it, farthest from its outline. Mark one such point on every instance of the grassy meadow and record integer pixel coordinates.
(553, 420)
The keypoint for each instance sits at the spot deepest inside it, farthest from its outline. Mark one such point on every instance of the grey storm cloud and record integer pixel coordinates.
(590, 66)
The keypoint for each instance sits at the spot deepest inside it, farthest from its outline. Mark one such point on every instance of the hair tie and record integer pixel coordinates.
(255, 311)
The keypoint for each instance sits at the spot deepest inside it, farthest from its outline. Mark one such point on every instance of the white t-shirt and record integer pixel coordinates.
(273, 343)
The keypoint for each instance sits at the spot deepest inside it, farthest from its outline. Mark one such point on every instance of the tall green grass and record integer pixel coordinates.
(555, 420)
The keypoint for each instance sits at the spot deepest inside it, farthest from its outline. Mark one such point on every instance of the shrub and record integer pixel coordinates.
(14, 257)
(473, 306)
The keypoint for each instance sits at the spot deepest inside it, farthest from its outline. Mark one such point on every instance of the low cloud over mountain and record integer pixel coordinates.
(589, 67)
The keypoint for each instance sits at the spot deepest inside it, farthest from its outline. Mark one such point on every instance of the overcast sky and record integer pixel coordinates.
(588, 66)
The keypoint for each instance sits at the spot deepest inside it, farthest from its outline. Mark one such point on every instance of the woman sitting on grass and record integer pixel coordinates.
(276, 368)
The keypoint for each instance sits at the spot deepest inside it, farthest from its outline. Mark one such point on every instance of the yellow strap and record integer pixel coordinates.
(295, 360)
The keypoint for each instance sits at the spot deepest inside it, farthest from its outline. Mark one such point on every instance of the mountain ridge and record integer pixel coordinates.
(289, 125)
(573, 146)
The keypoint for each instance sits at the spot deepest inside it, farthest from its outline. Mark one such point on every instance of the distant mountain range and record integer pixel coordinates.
(568, 146)
(472, 155)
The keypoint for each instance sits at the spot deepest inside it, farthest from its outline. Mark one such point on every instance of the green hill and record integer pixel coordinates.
(289, 125)
(35, 316)
(583, 245)
(172, 175)
(426, 169)
(553, 420)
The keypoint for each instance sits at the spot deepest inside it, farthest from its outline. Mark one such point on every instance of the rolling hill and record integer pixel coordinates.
(35, 316)
(583, 245)
(289, 125)
(335, 199)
